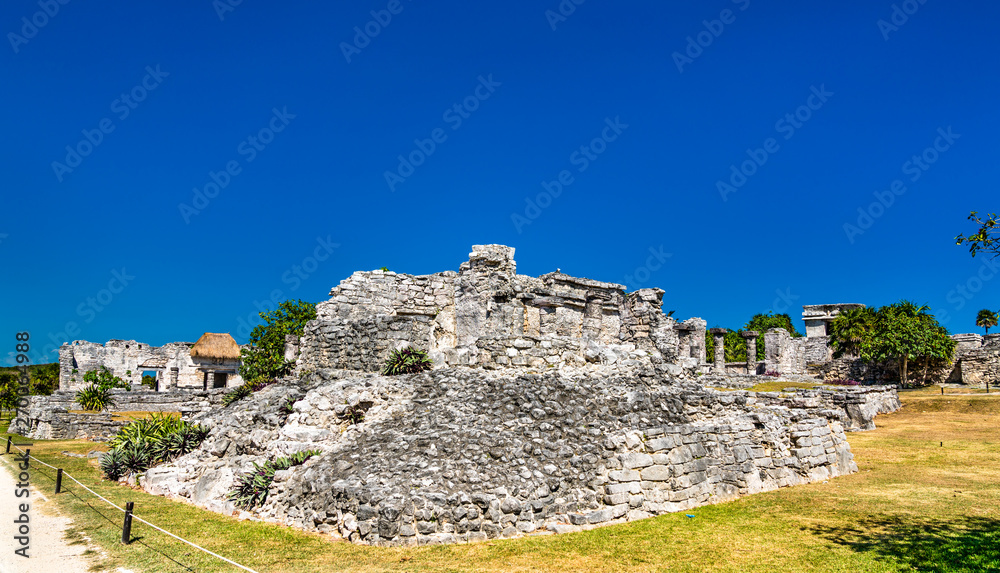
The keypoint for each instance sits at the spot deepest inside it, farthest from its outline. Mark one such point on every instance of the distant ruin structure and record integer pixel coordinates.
(211, 362)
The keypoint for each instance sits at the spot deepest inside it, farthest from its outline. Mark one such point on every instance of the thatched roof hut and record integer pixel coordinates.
(215, 346)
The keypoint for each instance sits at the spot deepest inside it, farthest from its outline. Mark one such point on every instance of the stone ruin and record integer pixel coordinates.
(212, 362)
(975, 361)
(191, 377)
(488, 316)
(556, 404)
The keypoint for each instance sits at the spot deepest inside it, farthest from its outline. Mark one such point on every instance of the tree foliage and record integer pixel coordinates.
(901, 333)
(736, 345)
(986, 319)
(847, 331)
(264, 356)
(986, 239)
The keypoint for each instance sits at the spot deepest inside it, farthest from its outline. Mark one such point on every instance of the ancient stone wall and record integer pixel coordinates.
(488, 315)
(464, 454)
(783, 353)
(59, 417)
(981, 366)
(128, 359)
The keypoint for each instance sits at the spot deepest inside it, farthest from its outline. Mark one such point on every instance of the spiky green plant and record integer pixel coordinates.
(94, 398)
(137, 456)
(251, 488)
(113, 464)
(409, 360)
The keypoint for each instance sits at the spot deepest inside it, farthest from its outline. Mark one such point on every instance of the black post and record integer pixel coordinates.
(58, 480)
(8, 444)
(942, 390)
(127, 528)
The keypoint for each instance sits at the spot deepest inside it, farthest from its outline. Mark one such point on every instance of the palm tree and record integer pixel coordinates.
(848, 330)
(986, 318)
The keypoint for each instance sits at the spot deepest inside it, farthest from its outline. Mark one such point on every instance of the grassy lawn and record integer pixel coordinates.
(916, 505)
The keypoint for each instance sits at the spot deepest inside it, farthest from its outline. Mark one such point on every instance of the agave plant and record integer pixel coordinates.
(94, 398)
(137, 456)
(236, 394)
(409, 360)
(113, 464)
(251, 488)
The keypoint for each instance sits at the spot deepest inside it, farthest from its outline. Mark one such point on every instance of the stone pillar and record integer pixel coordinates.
(719, 337)
(751, 337)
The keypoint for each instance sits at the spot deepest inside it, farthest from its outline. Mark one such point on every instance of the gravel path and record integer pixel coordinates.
(47, 550)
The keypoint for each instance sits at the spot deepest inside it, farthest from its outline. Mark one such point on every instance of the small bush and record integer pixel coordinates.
(94, 398)
(409, 360)
(288, 407)
(236, 394)
(138, 456)
(142, 444)
(113, 465)
(251, 488)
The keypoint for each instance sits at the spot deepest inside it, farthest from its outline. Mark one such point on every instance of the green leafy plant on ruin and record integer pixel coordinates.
(263, 358)
(409, 360)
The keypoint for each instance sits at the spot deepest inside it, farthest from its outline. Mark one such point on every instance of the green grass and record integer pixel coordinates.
(915, 505)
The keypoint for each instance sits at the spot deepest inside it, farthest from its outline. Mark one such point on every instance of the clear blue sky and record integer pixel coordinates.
(266, 92)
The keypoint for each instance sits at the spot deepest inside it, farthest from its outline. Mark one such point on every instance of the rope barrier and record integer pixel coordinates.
(137, 518)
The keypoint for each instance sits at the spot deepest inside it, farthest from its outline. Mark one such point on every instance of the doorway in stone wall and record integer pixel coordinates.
(151, 380)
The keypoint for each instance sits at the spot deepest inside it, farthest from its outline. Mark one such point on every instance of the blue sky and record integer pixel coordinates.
(215, 149)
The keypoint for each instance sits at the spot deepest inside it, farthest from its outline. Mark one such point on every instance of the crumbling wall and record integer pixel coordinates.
(127, 359)
(982, 366)
(59, 417)
(465, 454)
(783, 353)
(488, 315)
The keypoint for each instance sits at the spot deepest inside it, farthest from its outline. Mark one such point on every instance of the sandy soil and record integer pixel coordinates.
(48, 550)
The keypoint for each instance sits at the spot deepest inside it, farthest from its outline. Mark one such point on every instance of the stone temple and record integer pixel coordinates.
(556, 404)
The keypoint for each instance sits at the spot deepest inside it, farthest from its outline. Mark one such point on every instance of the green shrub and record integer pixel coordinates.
(409, 360)
(113, 464)
(236, 394)
(151, 429)
(142, 444)
(137, 456)
(94, 398)
(251, 488)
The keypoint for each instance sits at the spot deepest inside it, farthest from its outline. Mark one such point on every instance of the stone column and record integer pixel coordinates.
(719, 337)
(751, 337)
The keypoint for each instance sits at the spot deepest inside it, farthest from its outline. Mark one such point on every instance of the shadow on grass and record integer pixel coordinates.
(964, 544)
